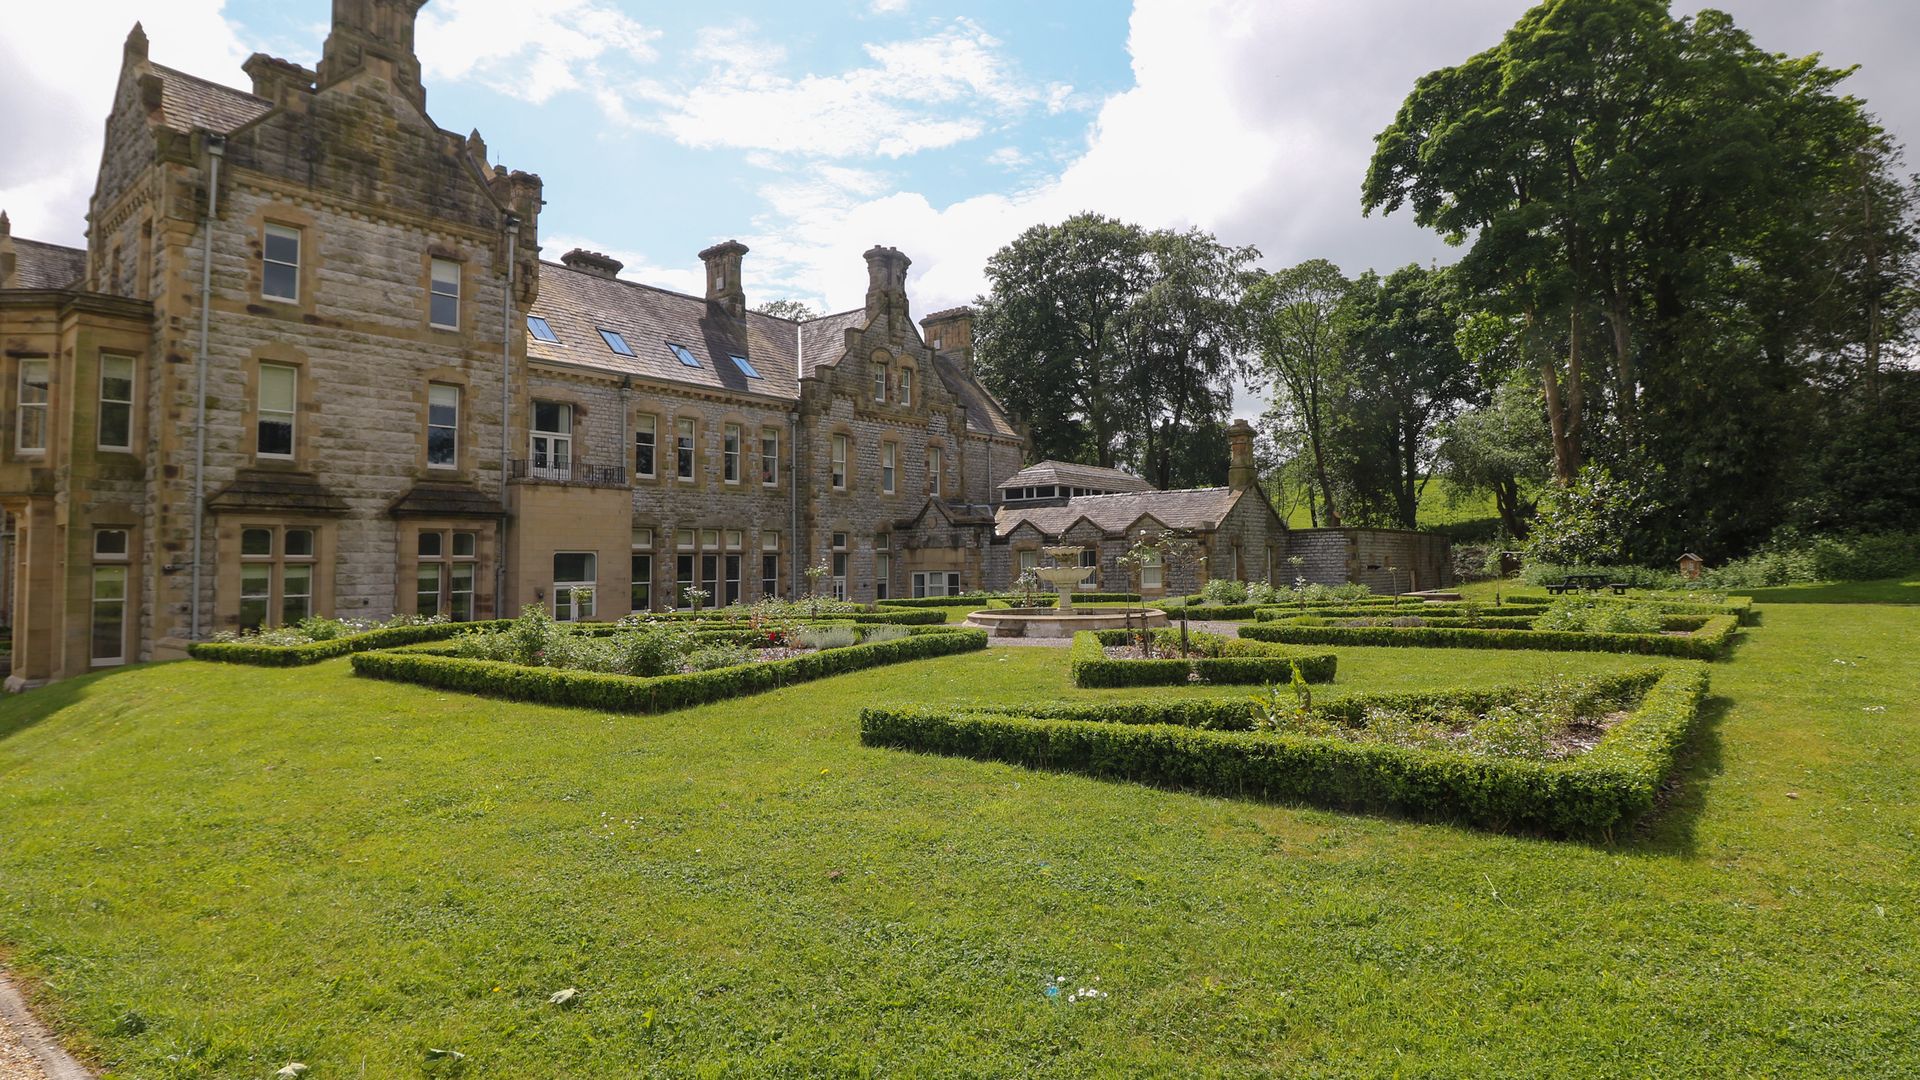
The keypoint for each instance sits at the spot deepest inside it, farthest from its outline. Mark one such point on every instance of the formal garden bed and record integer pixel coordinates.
(1109, 658)
(317, 638)
(1587, 624)
(645, 665)
(1573, 758)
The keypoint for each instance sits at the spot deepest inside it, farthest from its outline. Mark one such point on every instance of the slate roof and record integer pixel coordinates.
(579, 305)
(1191, 509)
(189, 101)
(257, 490)
(445, 500)
(45, 266)
(1071, 474)
(823, 340)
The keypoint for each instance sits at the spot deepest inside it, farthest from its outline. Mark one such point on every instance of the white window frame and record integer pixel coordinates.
(934, 463)
(841, 558)
(290, 415)
(125, 575)
(40, 411)
(906, 386)
(769, 457)
(731, 440)
(841, 450)
(556, 444)
(443, 282)
(881, 381)
(686, 450)
(438, 390)
(889, 466)
(563, 606)
(646, 426)
(284, 232)
(100, 418)
(1152, 572)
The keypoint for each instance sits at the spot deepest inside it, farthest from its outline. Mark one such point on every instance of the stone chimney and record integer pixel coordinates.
(377, 35)
(592, 262)
(277, 80)
(7, 258)
(1241, 474)
(887, 284)
(723, 277)
(951, 332)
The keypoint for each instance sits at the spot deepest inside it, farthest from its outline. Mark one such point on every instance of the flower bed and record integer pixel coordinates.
(662, 693)
(1741, 606)
(1222, 660)
(1213, 747)
(1691, 637)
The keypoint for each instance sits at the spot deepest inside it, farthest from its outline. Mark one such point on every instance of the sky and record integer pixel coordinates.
(813, 130)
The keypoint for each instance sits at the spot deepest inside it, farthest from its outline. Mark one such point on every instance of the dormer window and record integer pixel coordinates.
(615, 342)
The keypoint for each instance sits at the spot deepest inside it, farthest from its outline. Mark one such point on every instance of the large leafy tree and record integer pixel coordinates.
(1300, 342)
(1115, 344)
(1683, 227)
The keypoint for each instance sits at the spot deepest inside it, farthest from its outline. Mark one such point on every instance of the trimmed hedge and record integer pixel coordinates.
(1221, 612)
(1163, 745)
(627, 693)
(902, 617)
(241, 652)
(1255, 663)
(1741, 606)
(1707, 642)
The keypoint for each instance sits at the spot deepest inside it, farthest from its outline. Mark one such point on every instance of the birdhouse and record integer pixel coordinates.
(1691, 565)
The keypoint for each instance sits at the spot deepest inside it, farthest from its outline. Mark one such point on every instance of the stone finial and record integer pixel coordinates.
(1241, 474)
(136, 46)
(477, 146)
(723, 277)
(592, 262)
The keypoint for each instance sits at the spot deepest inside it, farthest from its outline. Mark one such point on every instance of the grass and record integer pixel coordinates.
(209, 870)
(1474, 518)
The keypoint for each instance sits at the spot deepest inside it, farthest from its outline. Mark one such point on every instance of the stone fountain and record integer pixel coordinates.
(1065, 620)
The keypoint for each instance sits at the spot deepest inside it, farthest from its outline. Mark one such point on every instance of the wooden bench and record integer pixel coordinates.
(1586, 583)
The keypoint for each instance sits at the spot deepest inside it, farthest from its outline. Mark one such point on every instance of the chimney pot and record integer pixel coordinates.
(1241, 474)
(723, 277)
(592, 262)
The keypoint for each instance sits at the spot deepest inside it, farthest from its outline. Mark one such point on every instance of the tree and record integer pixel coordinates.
(1294, 322)
(1115, 344)
(1405, 376)
(1495, 448)
(797, 310)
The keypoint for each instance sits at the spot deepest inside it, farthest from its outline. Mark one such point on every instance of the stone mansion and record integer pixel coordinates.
(312, 362)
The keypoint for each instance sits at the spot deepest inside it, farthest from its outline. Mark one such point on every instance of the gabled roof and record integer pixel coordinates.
(984, 414)
(189, 101)
(579, 305)
(822, 340)
(1072, 474)
(1191, 509)
(39, 265)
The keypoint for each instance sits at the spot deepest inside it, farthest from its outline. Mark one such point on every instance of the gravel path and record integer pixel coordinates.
(28, 1050)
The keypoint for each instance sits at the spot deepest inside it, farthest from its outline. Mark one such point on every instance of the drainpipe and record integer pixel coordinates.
(216, 150)
(793, 503)
(501, 607)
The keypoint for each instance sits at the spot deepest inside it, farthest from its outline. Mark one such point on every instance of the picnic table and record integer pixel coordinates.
(1586, 583)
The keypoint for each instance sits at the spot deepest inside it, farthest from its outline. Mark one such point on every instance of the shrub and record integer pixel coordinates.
(258, 649)
(1201, 746)
(1637, 577)
(1223, 591)
(1593, 617)
(884, 632)
(1707, 640)
(828, 637)
(626, 693)
(1231, 661)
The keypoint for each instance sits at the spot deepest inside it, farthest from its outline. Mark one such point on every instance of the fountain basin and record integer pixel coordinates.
(1050, 623)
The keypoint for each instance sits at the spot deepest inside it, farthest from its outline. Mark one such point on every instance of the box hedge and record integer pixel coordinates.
(1741, 606)
(1246, 662)
(626, 693)
(983, 599)
(1190, 746)
(244, 652)
(1707, 642)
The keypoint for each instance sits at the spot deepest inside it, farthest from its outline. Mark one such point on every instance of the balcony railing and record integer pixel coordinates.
(522, 470)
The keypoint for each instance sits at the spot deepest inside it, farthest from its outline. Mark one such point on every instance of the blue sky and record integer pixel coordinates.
(811, 131)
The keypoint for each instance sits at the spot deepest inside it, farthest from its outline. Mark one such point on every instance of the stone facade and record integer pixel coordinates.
(407, 410)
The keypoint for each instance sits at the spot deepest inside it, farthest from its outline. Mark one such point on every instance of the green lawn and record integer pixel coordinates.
(212, 870)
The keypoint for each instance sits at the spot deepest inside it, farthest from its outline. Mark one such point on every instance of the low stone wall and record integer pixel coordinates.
(1338, 556)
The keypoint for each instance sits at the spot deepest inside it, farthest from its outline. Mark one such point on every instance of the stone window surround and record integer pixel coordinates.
(842, 431)
(889, 486)
(936, 448)
(746, 449)
(288, 216)
(52, 404)
(459, 259)
(660, 430)
(697, 480)
(410, 560)
(136, 414)
(226, 593)
(130, 603)
(463, 448)
(287, 356)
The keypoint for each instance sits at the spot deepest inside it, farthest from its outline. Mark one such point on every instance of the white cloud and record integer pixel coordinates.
(887, 7)
(915, 95)
(1008, 157)
(534, 51)
(60, 71)
(637, 266)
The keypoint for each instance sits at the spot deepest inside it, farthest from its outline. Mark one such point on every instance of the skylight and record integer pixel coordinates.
(615, 342)
(539, 328)
(741, 361)
(685, 356)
